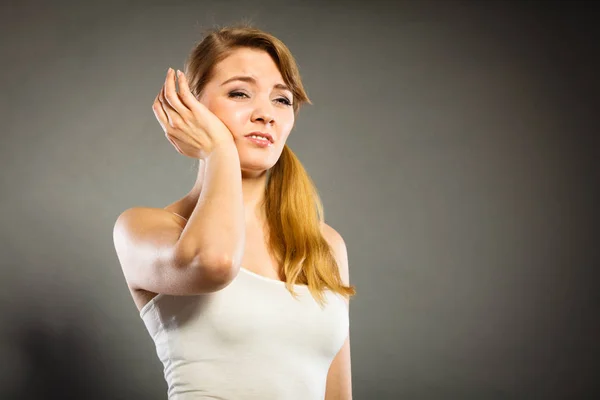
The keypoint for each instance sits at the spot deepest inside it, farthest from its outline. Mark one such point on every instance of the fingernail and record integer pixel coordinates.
(179, 73)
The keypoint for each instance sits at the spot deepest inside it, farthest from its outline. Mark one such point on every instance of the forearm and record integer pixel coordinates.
(215, 232)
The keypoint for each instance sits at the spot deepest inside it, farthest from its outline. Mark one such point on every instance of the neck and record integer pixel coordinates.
(253, 191)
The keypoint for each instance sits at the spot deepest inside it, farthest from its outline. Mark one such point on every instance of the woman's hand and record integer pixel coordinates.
(190, 127)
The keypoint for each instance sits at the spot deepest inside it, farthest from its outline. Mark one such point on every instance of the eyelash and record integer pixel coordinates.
(283, 101)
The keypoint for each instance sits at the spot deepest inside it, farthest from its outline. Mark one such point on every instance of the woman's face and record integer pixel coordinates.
(249, 95)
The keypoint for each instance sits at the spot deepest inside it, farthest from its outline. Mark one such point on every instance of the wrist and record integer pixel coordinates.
(223, 148)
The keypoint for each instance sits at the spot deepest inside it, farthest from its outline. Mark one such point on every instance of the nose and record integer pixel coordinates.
(263, 111)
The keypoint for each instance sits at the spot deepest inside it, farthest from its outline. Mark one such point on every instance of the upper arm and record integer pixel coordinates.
(339, 377)
(146, 242)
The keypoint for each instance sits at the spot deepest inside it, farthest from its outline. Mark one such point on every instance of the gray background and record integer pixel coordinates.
(453, 143)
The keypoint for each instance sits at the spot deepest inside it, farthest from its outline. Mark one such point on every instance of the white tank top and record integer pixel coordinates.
(250, 340)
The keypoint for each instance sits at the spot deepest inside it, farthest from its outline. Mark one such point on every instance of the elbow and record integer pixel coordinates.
(221, 268)
(214, 271)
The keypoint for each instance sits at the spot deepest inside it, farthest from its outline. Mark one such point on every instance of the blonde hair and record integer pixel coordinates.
(293, 207)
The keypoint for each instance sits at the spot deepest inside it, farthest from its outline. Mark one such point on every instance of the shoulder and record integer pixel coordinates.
(332, 236)
(340, 253)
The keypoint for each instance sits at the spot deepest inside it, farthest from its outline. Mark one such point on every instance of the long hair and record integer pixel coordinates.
(293, 207)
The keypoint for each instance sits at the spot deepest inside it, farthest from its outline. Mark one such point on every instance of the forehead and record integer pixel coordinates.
(252, 62)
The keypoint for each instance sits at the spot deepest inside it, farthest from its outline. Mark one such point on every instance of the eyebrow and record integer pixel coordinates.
(250, 79)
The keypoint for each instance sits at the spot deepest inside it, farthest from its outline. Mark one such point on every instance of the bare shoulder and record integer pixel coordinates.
(338, 245)
(331, 235)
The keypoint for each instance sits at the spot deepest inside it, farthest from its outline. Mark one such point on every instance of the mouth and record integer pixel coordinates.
(260, 142)
(265, 137)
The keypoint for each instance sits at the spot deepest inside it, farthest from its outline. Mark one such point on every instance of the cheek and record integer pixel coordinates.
(233, 115)
(287, 123)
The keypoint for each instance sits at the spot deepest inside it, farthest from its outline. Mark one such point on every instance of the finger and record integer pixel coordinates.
(171, 94)
(159, 113)
(173, 142)
(173, 117)
(185, 93)
(162, 99)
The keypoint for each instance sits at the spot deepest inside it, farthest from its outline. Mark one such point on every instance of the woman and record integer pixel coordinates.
(242, 286)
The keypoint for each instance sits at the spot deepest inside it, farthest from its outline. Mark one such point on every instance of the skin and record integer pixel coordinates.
(260, 105)
(245, 107)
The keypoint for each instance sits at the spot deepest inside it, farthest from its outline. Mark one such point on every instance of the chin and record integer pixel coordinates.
(255, 166)
(257, 160)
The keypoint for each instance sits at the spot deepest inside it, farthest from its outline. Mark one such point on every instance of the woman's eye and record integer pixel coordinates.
(284, 100)
(240, 95)
(237, 94)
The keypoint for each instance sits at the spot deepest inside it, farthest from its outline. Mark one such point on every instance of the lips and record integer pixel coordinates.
(263, 135)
